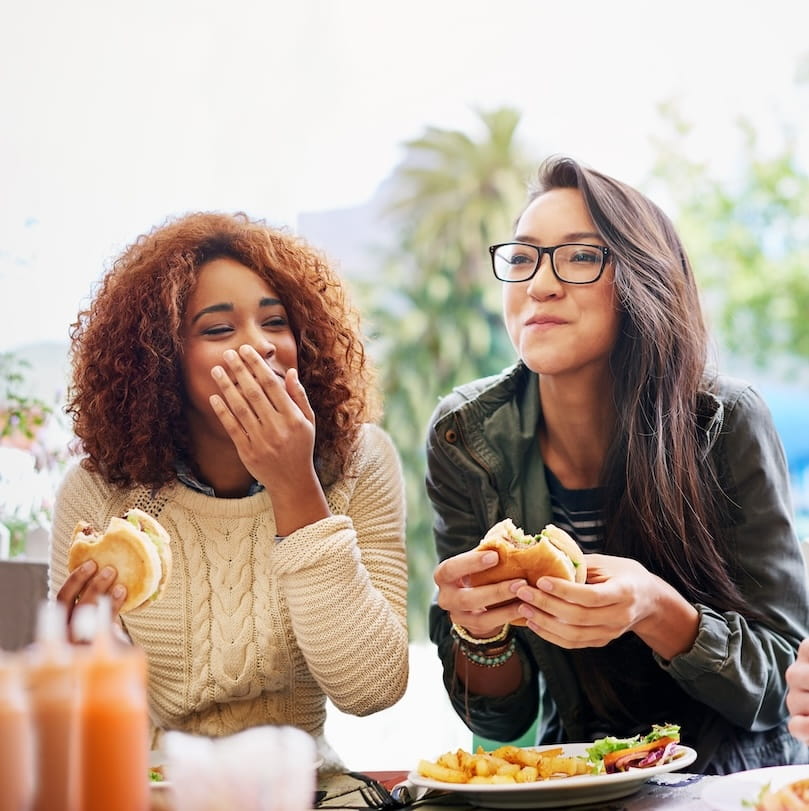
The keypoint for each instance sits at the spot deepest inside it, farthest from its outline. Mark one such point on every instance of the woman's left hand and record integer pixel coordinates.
(797, 676)
(620, 595)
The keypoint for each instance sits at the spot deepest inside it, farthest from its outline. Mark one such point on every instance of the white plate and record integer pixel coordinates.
(566, 791)
(741, 790)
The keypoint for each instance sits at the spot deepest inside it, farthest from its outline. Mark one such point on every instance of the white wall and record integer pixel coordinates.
(422, 725)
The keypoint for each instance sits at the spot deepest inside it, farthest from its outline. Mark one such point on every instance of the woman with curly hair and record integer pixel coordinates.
(220, 384)
(671, 477)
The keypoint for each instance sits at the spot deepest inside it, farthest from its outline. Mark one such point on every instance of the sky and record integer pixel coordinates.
(117, 115)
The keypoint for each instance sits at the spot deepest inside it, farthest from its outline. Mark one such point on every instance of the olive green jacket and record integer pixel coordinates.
(728, 691)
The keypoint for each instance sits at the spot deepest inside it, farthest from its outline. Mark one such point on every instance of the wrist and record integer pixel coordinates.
(500, 638)
(671, 627)
(292, 514)
(492, 656)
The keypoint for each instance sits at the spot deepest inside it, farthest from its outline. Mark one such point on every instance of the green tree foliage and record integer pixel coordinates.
(435, 312)
(748, 238)
(435, 309)
(21, 415)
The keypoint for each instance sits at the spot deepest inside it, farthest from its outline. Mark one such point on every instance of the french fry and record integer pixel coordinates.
(433, 771)
(558, 765)
(528, 774)
(507, 769)
(506, 764)
(493, 780)
(450, 760)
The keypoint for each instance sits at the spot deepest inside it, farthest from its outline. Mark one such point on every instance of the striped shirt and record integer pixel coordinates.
(578, 512)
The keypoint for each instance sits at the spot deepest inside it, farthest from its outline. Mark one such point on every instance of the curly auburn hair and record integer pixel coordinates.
(127, 398)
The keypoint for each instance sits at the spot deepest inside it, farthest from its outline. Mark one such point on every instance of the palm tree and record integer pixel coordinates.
(437, 320)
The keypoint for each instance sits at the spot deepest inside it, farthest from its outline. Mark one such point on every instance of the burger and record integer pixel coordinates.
(551, 552)
(136, 545)
(611, 754)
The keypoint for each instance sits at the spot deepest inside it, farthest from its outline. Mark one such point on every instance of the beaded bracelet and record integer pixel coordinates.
(460, 633)
(488, 660)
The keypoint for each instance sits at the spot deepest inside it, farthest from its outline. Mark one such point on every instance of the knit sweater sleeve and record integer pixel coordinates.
(345, 582)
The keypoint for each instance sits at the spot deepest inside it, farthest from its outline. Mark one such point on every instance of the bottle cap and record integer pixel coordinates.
(84, 622)
(51, 623)
(92, 622)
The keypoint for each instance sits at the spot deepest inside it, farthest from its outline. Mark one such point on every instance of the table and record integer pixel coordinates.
(676, 791)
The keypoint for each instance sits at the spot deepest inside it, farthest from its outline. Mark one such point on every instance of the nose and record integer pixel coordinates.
(544, 283)
(261, 342)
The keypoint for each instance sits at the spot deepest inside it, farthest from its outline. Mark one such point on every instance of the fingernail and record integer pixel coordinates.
(218, 372)
(545, 584)
(107, 572)
(230, 354)
(118, 591)
(88, 566)
(490, 558)
(517, 585)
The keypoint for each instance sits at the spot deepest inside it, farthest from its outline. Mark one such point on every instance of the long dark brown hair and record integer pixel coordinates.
(127, 397)
(660, 506)
(663, 503)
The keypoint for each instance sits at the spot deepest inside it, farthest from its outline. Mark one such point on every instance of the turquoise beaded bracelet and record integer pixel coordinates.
(489, 660)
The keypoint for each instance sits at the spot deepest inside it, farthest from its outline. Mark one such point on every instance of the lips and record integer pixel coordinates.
(544, 321)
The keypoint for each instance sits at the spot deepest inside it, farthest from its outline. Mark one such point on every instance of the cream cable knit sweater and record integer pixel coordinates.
(252, 632)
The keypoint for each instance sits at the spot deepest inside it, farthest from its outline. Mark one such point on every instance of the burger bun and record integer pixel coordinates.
(553, 554)
(136, 546)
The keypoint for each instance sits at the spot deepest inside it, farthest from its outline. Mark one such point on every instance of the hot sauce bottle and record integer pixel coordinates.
(114, 720)
(52, 678)
(16, 740)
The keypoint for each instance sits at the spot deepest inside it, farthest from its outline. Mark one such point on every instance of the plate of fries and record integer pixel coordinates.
(534, 776)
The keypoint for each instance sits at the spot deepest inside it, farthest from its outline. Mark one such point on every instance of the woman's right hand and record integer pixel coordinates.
(84, 585)
(481, 610)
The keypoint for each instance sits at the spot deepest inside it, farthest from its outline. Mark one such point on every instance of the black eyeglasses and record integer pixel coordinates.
(573, 262)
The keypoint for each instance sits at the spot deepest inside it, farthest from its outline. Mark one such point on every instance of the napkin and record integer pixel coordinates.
(260, 769)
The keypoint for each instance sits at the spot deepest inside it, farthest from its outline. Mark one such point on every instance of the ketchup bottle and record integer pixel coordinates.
(16, 739)
(51, 671)
(114, 719)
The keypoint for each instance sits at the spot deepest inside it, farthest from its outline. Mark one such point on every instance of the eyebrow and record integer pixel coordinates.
(227, 307)
(574, 237)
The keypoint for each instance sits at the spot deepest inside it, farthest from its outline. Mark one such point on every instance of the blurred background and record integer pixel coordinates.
(400, 138)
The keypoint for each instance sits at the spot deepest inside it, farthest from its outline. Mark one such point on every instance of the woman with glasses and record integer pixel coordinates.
(671, 478)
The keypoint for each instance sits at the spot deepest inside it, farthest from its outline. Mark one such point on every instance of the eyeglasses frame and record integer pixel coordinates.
(550, 250)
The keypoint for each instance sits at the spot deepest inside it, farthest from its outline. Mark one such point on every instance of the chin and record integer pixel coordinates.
(543, 365)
